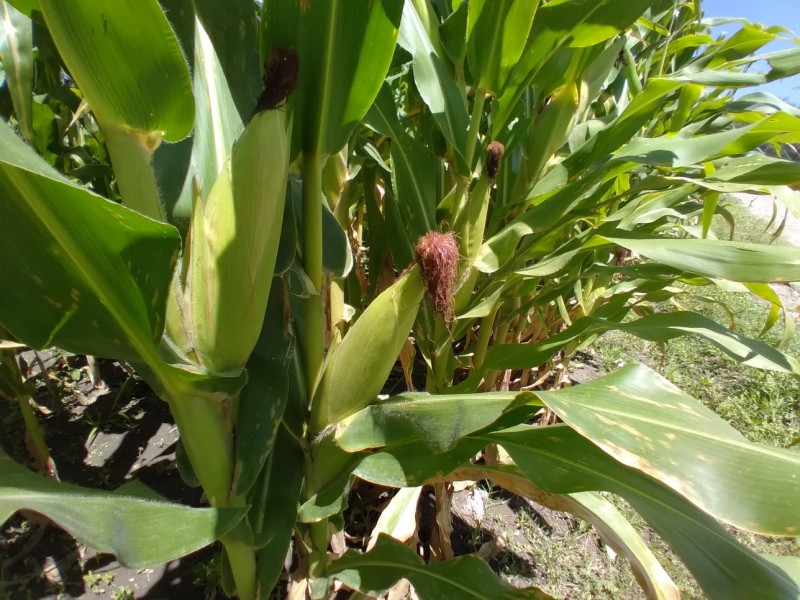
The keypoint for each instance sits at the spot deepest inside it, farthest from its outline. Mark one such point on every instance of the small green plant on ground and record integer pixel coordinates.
(264, 208)
(122, 593)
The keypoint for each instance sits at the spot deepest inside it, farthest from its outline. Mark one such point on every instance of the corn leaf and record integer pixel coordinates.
(550, 130)
(275, 506)
(102, 270)
(337, 256)
(413, 167)
(439, 420)
(645, 422)
(263, 399)
(232, 30)
(16, 51)
(465, 577)
(436, 85)
(131, 527)
(193, 165)
(221, 43)
(345, 47)
(684, 151)
(559, 460)
(657, 327)
(735, 261)
(566, 23)
(127, 62)
(497, 32)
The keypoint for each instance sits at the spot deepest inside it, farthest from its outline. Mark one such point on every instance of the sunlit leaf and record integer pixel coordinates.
(645, 422)
(338, 78)
(101, 271)
(434, 82)
(561, 461)
(464, 577)
(128, 526)
(16, 50)
(127, 62)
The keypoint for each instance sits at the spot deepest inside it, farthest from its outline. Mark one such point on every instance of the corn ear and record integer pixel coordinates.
(470, 222)
(234, 239)
(547, 134)
(689, 95)
(358, 366)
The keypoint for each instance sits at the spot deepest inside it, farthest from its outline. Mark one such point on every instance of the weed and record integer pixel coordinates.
(122, 593)
(208, 575)
(91, 579)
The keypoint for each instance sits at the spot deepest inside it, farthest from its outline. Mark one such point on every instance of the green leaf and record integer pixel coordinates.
(657, 327)
(263, 399)
(741, 44)
(411, 463)
(755, 171)
(559, 460)
(783, 63)
(127, 62)
(645, 422)
(345, 48)
(99, 273)
(192, 165)
(549, 132)
(275, 507)
(465, 577)
(337, 256)
(435, 84)
(566, 23)
(788, 564)
(232, 30)
(413, 167)
(139, 531)
(497, 32)
(440, 420)
(680, 151)
(641, 109)
(16, 50)
(724, 79)
(331, 500)
(452, 34)
(735, 261)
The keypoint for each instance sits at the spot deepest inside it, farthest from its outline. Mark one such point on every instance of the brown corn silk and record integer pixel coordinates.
(494, 154)
(437, 256)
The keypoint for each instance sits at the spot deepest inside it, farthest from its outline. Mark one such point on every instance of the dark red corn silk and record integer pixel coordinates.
(279, 79)
(494, 154)
(437, 256)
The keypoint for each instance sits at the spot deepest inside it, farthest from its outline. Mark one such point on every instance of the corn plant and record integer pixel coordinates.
(303, 194)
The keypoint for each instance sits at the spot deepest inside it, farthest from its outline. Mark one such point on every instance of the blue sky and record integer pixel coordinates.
(769, 12)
